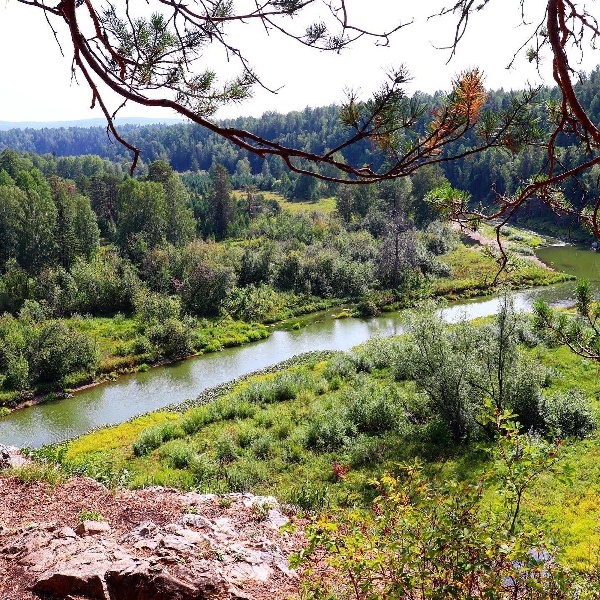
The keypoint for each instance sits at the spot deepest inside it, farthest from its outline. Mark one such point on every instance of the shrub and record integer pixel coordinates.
(58, 350)
(246, 434)
(263, 447)
(203, 468)
(17, 373)
(177, 454)
(309, 496)
(567, 414)
(366, 450)
(229, 408)
(151, 307)
(244, 475)
(153, 437)
(148, 440)
(172, 338)
(283, 386)
(226, 449)
(328, 432)
(141, 345)
(373, 410)
(193, 420)
(292, 452)
(420, 541)
(283, 429)
(206, 289)
(342, 367)
(378, 354)
(171, 431)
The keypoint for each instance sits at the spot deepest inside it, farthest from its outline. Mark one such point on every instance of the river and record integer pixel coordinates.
(130, 395)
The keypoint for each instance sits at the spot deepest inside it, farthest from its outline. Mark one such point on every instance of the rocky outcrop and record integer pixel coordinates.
(10, 457)
(218, 548)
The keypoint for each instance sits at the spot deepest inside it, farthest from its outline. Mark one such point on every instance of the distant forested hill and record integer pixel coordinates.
(191, 148)
(97, 122)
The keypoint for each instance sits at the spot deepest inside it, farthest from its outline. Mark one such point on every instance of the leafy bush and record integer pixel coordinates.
(151, 307)
(366, 450)
(245, 474)
(253, 303)
(17, 372)
(153, 437)
(246, 435)
(172, 338)
(203, 468)
(341, 366)
(283, 386)
(193, 420)
(230, 408)
(149, 440)
(177, 454)
(206, 289)
(567, 414)
(171, 431)
(372, 409)
(263, 447)
(328, 432)
(421, 542)
(33, 352)
(309, 496)
(226, 449)
(440, 238)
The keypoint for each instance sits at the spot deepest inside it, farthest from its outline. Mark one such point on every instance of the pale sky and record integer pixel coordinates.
(35, 81)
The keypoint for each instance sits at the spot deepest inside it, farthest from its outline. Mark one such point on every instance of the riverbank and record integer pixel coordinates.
(473, 270)
(139, 393)
(513, 240)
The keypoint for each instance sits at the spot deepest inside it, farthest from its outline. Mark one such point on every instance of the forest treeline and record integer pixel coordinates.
(189, 148)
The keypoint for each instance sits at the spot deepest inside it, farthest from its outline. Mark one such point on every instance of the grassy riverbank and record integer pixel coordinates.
(123, 346)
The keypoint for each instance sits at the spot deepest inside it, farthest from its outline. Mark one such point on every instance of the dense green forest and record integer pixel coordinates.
(189, 148)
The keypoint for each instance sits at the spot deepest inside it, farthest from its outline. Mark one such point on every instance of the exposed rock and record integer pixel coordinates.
(140, 582)
(214, 550)
(5, 460)
(92, 528)
(11, 457)
(71, 582)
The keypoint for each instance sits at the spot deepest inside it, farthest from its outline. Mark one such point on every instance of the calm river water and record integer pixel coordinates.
(142, 392)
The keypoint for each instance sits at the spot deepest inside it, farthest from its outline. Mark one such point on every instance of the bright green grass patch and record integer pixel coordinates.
(569, 370)
(570, 509)
(512, 235)
(325, 205)
(474, 271)
(226, 333)
(117, 438)
(110, 333)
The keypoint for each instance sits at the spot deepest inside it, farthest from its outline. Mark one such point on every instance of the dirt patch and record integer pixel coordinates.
(492, 244)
